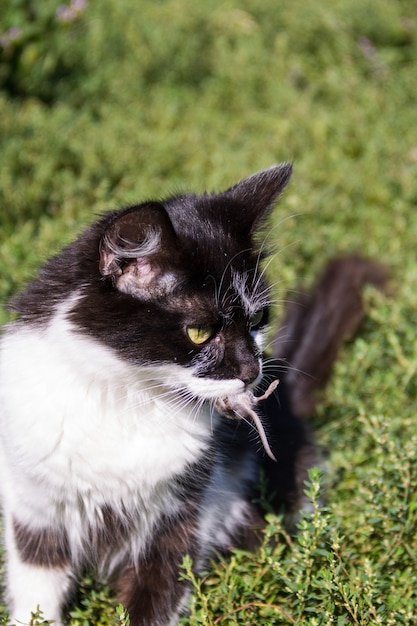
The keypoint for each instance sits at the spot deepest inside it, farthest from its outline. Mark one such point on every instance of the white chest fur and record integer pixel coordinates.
(78, 425)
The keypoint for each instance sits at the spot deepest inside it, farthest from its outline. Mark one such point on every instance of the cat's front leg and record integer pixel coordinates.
(38, 572)
(152, 599)
(150, 589)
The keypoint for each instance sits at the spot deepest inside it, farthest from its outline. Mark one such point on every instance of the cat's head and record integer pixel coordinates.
(178, 285)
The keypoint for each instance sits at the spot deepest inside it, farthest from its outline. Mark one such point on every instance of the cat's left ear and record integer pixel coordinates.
(259, 192)
(139, 250)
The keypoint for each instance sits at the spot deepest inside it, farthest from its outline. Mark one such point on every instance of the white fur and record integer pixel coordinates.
(80, 429)
(32, 585)
(131, 250)
(252, 301)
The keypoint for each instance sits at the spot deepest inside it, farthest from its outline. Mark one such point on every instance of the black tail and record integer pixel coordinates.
(316, 324)
(313, 329)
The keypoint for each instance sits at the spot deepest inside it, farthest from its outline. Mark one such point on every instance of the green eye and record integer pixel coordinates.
(256, 319)
(199, 334)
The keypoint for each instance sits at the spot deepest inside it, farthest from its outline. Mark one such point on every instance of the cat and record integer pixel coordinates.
(112, 454)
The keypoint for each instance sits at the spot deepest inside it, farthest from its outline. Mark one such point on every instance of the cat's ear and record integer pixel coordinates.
(259, 192)
(138, 251)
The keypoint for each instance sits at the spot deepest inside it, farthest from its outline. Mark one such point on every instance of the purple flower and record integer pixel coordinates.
(367, 47)
(10, 36)
(67, 13)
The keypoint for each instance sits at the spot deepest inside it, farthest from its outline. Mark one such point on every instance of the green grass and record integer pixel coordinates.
(138, 99)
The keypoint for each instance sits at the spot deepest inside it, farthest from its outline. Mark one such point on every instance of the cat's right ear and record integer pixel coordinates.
(259, 192)
(138, 251)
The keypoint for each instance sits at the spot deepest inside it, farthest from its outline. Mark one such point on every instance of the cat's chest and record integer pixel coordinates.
(131, 449)
(87, 422)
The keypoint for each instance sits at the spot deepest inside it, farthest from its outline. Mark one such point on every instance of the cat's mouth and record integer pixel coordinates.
(207, 388)
(211, 389)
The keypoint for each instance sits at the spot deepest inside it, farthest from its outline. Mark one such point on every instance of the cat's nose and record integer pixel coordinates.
(242, 361)
(249, 372)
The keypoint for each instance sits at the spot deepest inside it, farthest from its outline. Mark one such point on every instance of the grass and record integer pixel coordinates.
(136, 100)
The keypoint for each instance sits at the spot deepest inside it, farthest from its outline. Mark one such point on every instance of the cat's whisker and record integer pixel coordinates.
(270, 234)
(285, 368)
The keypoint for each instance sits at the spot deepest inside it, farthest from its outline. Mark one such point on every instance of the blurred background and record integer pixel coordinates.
(107, 103)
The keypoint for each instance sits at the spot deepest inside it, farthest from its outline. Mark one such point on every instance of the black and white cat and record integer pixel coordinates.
(112, 455)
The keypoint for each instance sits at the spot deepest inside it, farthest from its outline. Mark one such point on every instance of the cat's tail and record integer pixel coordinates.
(317, 322)
(314, 326)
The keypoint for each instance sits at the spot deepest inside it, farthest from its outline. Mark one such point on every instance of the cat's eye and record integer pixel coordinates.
(258, 319)
(199, 334)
